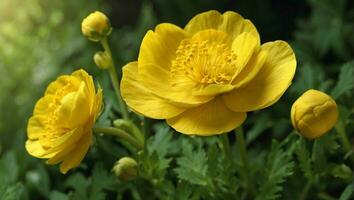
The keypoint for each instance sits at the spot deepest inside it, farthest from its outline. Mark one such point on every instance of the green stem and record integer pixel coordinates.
(146, 130)
(241, 144)
(114, 78)
(305, 190)
(226, 145)
(118, 133)
(345, 141)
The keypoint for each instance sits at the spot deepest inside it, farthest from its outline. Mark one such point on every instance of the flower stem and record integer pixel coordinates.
(118, 133)
(305, 190)
(241, 144)
(114, 78)
(226, 145)
(345, 141)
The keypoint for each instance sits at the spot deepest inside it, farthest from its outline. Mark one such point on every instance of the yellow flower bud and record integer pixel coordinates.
(126, 168)
(102, 60)
(314, 113)
(96, 26)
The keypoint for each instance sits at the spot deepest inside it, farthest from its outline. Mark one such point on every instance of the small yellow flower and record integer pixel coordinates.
(60, 129)
(203, 79)
(314, 113)
(126, 169)
(96, 26)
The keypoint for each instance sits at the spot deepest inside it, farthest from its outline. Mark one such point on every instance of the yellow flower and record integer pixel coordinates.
(96, 26)
(203, 79)
(314, 113)
(60, 129)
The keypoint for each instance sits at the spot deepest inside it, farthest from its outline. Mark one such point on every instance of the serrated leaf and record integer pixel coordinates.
(345, 81)
(304, 158)
(278, 167)
(80, 185)
(161, 141)
(192, 166)
(101, 180)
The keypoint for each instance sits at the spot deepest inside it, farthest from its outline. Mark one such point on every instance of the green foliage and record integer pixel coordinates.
(278, 167)
(345, 81)
(42, 39)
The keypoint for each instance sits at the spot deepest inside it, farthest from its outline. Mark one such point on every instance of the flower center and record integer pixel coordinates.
(204, 61)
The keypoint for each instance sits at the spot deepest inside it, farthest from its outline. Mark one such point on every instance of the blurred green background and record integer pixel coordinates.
(41, 39)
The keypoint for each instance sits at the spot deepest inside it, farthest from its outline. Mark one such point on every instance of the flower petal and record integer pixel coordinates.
(244, 47)
(35, 127)
(68, 82)
(141, 99)
(229, 22)
(82, 75)
(74, 109)
(208, 119)
(35, 149)
(159, 47)
(250, 70)
(269, 84)
(77, 155)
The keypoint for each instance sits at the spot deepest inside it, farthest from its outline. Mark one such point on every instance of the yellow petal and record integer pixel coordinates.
(229, 22)
(159, 47)
(70, 83)
(208, 119)
(82, 75)
(35, 149)
(270, 82)
(244, 47)
(42, 106)
(250, 70)
(98, 103)
(77, 155)
(67, 140)
(141, 99)
(35, 127)
(74, 109)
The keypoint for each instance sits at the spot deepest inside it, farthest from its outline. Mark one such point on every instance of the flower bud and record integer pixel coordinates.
(102, 60)
(314, 113)
(126, 169)
(96, 26)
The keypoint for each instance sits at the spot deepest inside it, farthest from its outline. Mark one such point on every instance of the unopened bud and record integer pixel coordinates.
(102, 60)
(314, 113)
(96, 26)
(126, 169)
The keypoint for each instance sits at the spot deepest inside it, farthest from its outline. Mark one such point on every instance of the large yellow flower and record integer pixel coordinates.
(204, 78)
(60, 129)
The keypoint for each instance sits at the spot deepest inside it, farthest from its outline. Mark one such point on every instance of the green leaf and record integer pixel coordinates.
(101, 180)
(278, 167)
(13, 192)
(161, 141)
(304, 158)
(55, 195)
(342, 171)
(192, 166)
(80, 185)
(347, 193)
(9, 169)
(345, 81)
